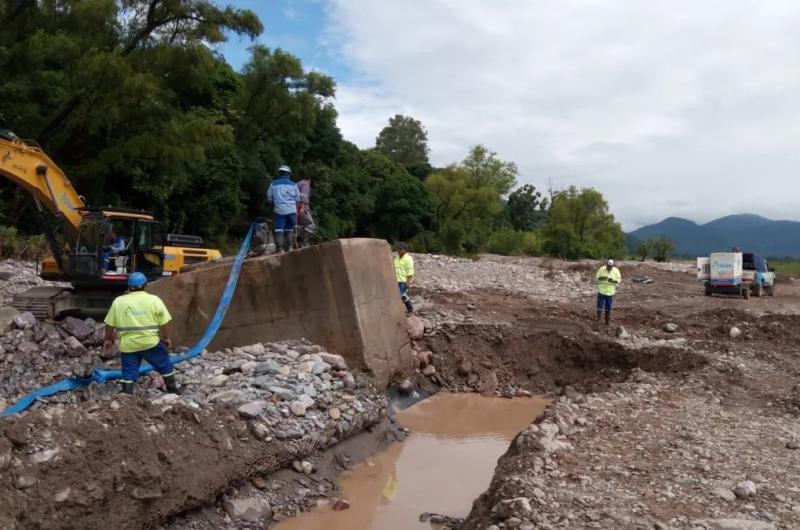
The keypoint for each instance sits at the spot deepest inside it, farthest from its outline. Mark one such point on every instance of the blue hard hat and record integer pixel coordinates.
(137, 279)
(285, 169)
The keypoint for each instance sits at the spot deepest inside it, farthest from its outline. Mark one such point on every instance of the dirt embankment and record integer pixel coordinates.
(134, 463)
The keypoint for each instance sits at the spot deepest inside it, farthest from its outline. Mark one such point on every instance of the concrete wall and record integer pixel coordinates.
(342, 295)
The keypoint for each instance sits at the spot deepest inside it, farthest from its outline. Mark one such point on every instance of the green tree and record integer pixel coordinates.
(483, 168)
(404, 141)
(643, 250)
(527, 210)
(580, 225)
(662, 248)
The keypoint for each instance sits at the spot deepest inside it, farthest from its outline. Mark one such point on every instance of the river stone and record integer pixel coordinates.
(27, 348)
(669, 327)
(320, 367)
(252, 409)
(306, 401)
(75, 348)
(297, 408)
(248, 508)
(724, 493)
(228, 396)
(306, 366)
(734, 332)
(269, 367)
(25, 320)
(25, 481)
(41, 457)
(745, 489)
(429, 370)
(519, 507)
(334, 413)
(62, 495)
(337, 361)
(77, 328)
(248, 367)
(146, 494)
(283, 393)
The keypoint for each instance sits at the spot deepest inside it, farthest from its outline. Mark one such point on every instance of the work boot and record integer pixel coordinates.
(608, 317)
(289, 242)
(279, 239)
(127, 388)
(171, 384)
(599, 314)
(409, 308)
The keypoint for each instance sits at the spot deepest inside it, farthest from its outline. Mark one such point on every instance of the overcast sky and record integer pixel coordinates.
(684, 108)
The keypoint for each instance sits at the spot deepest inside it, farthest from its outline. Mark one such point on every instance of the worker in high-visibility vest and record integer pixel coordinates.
(608, 278)
(142, 322)
(404, 270)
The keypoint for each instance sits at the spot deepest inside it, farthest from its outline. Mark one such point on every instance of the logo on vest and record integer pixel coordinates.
(133, 312)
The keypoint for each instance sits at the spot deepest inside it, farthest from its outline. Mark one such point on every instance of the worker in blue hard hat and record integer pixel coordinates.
(283, 195)
(142, 322)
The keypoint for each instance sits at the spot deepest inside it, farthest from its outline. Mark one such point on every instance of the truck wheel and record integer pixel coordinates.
(770, 290)
(758, 289)
(746, 293)
(708, 291)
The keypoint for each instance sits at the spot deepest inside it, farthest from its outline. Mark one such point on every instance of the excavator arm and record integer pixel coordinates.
(26, 164)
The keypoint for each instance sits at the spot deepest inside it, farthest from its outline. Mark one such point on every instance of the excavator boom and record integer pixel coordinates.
(26, 164)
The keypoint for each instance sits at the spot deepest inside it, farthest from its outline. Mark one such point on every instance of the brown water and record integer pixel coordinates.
(442, 467)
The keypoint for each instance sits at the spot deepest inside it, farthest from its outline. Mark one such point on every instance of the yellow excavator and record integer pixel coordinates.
(94, 249)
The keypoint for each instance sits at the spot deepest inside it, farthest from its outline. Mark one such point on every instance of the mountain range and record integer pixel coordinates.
(751, 233)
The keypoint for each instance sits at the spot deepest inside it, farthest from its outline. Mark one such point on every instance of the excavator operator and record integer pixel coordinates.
(113, 246)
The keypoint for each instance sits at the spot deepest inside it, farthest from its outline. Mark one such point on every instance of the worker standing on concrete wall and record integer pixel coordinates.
(608, 278)
(283, 195)
(404, 269)
(141, 319)
(306, 228)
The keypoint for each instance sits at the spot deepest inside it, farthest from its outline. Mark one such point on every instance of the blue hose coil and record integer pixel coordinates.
(103, 376)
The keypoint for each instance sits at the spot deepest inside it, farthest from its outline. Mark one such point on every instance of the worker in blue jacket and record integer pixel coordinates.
(283, 195)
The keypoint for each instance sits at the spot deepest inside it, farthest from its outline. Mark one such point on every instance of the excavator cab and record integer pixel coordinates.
(114, 243)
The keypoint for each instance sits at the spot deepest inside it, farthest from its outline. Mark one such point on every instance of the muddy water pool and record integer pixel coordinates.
(445, 463)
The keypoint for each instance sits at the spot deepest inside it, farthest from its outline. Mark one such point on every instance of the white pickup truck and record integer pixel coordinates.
(736, 273)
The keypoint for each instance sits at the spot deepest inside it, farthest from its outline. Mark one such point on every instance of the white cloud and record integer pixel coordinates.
(669, 108)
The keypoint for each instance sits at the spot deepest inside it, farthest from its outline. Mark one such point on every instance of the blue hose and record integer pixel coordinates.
(103, 376)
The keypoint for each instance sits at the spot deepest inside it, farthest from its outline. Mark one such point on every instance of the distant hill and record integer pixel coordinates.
(751, 233)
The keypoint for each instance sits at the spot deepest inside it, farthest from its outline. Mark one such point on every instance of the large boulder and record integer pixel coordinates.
(416, 328)
(78, 328)
(25, 320)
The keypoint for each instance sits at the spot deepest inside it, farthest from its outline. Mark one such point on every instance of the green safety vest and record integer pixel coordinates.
(137, 316)
(404, 267)
(604, 286)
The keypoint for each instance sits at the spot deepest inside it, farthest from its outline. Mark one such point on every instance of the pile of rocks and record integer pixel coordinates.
(17, 276)
(36, 353)
(286, 389)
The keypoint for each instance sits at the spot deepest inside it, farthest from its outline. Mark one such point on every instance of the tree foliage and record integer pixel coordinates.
(661, 248)
(404, 141)
(527, 210)
(579, 225)
(483, 168)
(132, 100)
